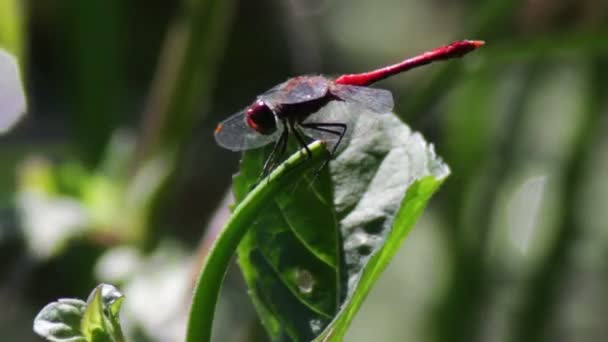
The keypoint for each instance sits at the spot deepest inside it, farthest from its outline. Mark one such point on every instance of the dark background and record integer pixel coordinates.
(114, 175)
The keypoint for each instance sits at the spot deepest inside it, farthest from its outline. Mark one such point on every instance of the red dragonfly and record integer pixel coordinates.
(284, 109)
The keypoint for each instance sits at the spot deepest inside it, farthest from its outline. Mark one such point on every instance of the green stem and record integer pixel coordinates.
(210, 278)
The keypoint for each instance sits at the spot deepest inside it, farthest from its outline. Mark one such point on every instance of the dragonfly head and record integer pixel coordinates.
(260, 118)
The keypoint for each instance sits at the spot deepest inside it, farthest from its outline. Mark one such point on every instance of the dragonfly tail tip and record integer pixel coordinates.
(477, 43)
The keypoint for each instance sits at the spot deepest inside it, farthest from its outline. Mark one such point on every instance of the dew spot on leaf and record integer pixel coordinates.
(305, 281)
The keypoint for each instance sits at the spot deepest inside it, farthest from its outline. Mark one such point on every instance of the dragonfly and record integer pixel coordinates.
(285, 109)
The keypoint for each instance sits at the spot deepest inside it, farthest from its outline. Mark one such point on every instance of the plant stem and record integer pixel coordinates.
(210, 278)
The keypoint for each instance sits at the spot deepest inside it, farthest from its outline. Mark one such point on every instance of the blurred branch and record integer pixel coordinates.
(185, 76)
(491, 16)
(11, 28)
(555, 45)
(459, 314)
(578, 43)
(93, 32)
(214, 228)
(303, 35)
(542, 294)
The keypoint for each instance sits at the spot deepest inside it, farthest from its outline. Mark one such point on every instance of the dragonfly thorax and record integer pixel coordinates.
(260, 118)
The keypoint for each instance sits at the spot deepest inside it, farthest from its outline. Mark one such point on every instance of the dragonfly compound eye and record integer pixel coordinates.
(260, 118)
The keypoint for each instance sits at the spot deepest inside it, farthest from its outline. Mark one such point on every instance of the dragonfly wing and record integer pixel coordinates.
(296, 90)
(235, 135)
(377, 100)
(347, 118)
(330, 124)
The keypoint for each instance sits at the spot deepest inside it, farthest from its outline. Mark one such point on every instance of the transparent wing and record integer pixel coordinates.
(340, 118)
(234, 134)
(376, 100)
(296, 90)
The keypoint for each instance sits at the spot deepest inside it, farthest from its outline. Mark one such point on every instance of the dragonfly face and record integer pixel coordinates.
(260, 118)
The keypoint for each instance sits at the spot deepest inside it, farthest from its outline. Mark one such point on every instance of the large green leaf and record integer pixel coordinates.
(314, 251)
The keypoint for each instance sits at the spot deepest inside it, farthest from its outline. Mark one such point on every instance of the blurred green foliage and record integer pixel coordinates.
(11, 27)
(116, 164)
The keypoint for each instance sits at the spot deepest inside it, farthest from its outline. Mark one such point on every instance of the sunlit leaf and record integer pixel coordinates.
(75, 320)
(100, 319)
(312, 255)
(60, 320)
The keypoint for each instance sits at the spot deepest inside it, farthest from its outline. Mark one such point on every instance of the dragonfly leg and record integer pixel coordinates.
(326, 127)
(301, 140)
(277, 152)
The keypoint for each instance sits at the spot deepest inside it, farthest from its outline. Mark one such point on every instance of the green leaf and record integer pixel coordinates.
(290, 267)
(415, 200)
(312, 254)
(60, 320)
(75, 320)
(100, 319)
